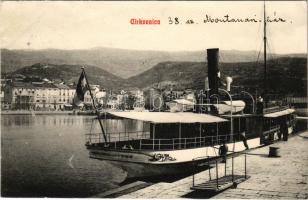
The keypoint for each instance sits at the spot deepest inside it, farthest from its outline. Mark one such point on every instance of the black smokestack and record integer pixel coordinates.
(212, 62)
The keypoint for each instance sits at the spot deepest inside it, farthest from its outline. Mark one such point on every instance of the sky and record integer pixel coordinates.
(85, 25)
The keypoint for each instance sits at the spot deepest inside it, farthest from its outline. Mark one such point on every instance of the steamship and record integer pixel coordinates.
(173, 142)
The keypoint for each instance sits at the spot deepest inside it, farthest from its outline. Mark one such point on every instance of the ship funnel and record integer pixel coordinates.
(228, 82)
(212, 61)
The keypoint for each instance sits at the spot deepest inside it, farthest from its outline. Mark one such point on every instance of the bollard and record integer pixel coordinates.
(273, 152)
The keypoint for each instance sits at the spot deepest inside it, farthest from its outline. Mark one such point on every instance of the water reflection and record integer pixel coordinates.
(45, 156)
(46, 120)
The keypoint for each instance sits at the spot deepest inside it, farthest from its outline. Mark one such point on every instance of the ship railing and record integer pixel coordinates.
(117, 136)
(173, 143)
(274, 109)
(272, 129)
(144, 142)
(184, 143)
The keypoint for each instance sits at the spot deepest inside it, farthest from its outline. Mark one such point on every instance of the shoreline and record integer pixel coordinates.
(28, 112)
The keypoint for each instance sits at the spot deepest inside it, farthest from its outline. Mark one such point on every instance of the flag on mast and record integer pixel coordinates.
(81, 89)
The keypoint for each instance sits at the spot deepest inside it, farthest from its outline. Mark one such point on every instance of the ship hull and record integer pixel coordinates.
(143, 170)
(168, 162)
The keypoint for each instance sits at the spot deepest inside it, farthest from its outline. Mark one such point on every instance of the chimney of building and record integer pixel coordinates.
(212, 62)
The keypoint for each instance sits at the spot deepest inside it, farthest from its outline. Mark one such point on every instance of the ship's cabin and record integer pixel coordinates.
(278, 122)
(169, 131)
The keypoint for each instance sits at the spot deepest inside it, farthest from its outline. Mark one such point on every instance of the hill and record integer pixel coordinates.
(70, 74)
(286, 75)
(121, 62)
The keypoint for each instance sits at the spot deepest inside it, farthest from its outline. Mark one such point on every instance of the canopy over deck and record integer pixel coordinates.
(280, 113)
(168, 117)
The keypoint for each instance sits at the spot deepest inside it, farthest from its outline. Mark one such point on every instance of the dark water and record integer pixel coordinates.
(45, 156)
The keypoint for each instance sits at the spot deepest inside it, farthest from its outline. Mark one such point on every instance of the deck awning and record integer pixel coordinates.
(280, 113)
(168, 117)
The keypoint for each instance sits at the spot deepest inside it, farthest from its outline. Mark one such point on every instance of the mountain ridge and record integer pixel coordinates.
(286, 75)
(124, 63)
(70, 74)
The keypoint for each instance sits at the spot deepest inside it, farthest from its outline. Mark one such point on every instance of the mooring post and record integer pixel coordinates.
(216, 174)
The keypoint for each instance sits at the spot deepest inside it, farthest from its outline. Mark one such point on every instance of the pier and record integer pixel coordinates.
(284, 176)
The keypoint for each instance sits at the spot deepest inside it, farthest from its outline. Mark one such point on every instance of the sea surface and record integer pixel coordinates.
(45, 156)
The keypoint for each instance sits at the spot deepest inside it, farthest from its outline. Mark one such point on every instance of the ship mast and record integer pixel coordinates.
(264, 43)
(93, 103)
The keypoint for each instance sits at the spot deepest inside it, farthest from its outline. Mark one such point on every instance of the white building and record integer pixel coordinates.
(38, 96)
(65, 95)
(99, 96)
